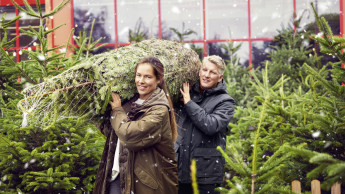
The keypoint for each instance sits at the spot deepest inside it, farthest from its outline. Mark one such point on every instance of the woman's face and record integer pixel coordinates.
(145, 80)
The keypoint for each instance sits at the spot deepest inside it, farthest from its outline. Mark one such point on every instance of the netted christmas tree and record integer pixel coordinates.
(83, 91)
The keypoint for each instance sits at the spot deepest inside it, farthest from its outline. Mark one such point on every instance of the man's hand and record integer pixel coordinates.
(185, 93)
(116, 100)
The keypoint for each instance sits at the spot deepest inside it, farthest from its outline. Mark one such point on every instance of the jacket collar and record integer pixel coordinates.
(158, 97)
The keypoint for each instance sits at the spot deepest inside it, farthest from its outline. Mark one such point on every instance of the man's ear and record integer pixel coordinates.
(220, 78)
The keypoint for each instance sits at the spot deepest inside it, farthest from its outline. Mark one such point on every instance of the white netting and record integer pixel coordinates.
(83, 91)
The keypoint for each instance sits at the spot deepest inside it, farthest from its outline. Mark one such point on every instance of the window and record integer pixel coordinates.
(226, 19)
(100, 11)
(268, 16)
(137, 19)
(330, 9)
(182, 16)
(24, 22)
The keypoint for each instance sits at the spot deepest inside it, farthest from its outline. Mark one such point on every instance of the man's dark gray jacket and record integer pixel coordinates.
(202, 126)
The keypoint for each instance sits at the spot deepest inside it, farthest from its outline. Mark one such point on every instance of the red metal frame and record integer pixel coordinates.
(250, 38)
(341, 17)
(116, 44)
(19, 2)
(17, 34)
(72, 18)
(342, 23)
(159, 20)
(52, 22)
(204, 26)
(295, 13)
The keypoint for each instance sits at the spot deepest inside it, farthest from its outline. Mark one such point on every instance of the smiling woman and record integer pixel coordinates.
(146, 128)
(145, 80)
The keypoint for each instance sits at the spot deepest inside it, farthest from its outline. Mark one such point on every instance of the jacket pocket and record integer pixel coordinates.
(209, 162)
(145, 178)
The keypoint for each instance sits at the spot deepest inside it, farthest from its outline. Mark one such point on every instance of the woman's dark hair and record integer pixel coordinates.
(158, 70)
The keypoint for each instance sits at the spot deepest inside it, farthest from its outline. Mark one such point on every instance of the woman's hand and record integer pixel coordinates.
(185, 93)
(116, 100)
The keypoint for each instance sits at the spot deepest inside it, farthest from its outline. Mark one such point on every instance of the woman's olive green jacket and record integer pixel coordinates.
(145, 131)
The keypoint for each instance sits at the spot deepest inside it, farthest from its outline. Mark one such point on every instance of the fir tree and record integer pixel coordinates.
(139, 33)
(290, 49)
(61, 159)
(183, 34)
(238, 79)
(252, 170)
(330, 122)
(258, 148)
(85, 45)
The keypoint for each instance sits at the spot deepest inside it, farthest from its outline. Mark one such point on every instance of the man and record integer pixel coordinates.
(202, 126)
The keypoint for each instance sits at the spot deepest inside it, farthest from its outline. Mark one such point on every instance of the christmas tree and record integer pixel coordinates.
(62, 159)
(296, 129)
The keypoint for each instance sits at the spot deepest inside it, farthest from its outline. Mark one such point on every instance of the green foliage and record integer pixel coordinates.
(43, 61)
(138, 34)
(258, 159)
(330, 121)
(184, 32)
(6, 44)
(193, 175)
(296, 131)
(290, 50)
(182, 35)
(61, 159)
(238, 80)
(85, 45)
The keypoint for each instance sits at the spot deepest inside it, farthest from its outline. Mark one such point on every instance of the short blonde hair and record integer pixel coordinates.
(217, 60)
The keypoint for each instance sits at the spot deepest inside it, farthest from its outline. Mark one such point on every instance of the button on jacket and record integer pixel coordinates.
(202, 126)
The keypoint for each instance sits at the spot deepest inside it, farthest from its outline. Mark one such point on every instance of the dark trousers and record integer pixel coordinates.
(186, 188)
(114, 187)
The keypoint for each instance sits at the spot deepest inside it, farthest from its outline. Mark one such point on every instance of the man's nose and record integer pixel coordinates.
(207, 74)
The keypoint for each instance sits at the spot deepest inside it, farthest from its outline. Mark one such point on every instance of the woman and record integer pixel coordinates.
(146, 127)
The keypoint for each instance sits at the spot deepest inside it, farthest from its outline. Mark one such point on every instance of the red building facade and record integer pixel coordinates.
(211, 23)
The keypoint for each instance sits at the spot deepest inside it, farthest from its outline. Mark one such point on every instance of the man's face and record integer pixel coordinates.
(209, 75)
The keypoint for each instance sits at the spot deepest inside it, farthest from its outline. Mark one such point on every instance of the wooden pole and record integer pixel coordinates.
(315, 187)
(336, 188)
(253, 183)
(296, 186)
